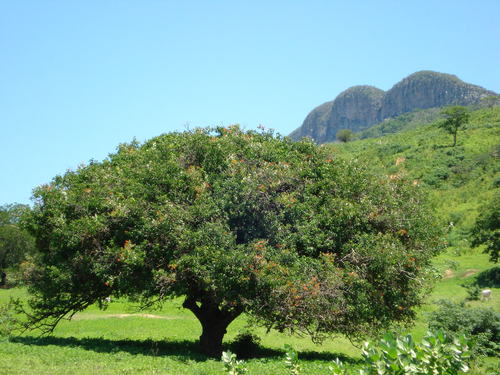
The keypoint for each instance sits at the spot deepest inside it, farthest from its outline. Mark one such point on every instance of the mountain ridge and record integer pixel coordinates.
(360, 107)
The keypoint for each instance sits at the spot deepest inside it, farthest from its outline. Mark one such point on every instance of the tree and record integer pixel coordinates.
(233, 222)
(15, 243)
(455, 119)
(345, 135)
(486, 230)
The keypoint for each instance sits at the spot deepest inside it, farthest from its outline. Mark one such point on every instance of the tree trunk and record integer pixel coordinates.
(454, 139)
(214, 323)
(211, 339)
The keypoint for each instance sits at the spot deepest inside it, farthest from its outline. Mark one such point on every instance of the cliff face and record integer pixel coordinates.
(359, 107)
(428, 89)
(352, 109)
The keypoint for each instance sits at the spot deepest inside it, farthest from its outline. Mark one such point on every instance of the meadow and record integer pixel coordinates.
(123, 340)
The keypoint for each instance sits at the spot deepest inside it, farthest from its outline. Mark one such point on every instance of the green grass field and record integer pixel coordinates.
(122, 340)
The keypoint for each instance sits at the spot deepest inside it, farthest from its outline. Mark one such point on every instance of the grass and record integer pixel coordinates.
(100, 341)
(118, 341)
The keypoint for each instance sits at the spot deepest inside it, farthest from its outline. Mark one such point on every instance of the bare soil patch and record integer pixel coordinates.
(469, 272)
(448, 274)
(106, 316)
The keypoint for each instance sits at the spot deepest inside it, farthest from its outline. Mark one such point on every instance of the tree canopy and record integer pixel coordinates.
(15, 243)
(345, 135)
(234, 222)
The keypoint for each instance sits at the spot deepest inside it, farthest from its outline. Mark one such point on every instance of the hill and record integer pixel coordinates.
(406, 121)
(459, 178)
(360, 107)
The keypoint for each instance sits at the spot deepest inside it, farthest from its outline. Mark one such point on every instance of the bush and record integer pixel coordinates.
(8, 320)
(482, 326)
(473, 291)
(246, 344)
(232, 365)
(437, 354)
(489, 278)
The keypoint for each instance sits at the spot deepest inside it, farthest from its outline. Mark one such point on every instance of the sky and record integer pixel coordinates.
(77, 78)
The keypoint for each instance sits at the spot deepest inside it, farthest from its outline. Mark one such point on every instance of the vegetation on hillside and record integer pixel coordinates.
(15, 242)
(407, 121)
(486, 230)
(459, 179)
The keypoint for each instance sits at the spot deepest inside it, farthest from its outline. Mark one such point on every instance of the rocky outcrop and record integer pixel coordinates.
(428, 89)
(359, 107)
(353, 109)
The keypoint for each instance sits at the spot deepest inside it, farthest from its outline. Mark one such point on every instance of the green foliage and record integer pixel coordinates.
(338, 368)
(437, 354)
(456, 117)
(292, 360)
(9, 322)
(246, 344)
(15, 243)
(235, 222)
(232, 365)
(486, 230)
(473, 291)
(345, 135)
(481, 326)
(489, 278)
(401, 123)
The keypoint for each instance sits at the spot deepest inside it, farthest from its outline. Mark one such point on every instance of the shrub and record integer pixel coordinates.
(437, 354)
(489, 278)
(232, 365)
(473, 291)
(482, 326)
(292, 360)
(8, 320)
(246, 344)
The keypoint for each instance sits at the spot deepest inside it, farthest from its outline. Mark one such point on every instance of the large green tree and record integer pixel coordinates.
(455, 119)
(234, 222)
(15, 243)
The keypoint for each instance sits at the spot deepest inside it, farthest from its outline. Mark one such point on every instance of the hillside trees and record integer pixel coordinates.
(455, 118)
(486, 230)
(233, 222)
(15, 243)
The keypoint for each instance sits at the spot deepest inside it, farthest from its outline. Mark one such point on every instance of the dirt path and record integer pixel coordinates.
(448, 274)
(105, 316)
(469, 272)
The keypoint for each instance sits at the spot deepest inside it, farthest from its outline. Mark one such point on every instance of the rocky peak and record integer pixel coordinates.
(359, 107)
(427, 89)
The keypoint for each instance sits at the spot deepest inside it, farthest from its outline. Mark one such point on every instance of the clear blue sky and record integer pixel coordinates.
(79, 77)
